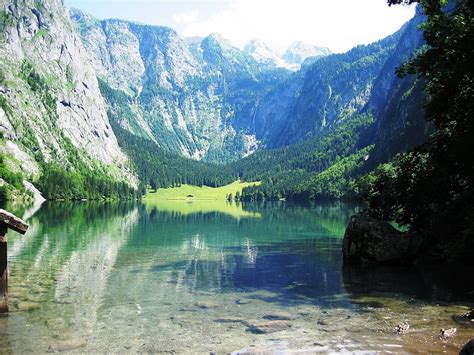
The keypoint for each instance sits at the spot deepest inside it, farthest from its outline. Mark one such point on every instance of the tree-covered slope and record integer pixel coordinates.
(186, 96)
(207, 100)
(430, 189)
(346, 136)
(51, 109)
(398, 103)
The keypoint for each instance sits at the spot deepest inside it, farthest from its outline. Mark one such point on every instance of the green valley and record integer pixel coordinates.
(236, 176)
(191, 193)
(153, 110)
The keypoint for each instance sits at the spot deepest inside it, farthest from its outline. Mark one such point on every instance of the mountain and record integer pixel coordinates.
(350, 112)
(321, 95)
(207, 100)
(299, 51)
(292, 58)
(80, 99)
(398, 104)
(51, 109)
(262, 53)
(186, 95)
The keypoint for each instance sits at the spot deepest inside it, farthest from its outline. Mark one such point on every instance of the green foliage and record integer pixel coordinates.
(158, 168)
(287, 172)
(433, 185)
(42, 33)
(14, 179)
(38, 84)
(5, 106)
(335, 181)
(58, 184)
(6, 20)
(70, 76)
(11, 181)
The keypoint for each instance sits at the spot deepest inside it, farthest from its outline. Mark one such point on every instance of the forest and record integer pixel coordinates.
(340, 161)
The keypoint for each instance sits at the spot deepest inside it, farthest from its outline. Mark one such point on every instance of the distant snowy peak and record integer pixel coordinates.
(261, 52)
(298, 51)
(292, 58)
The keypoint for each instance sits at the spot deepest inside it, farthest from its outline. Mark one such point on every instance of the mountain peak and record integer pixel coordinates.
(298, 51)
(261, 52)
(292, 58)
(223, 42)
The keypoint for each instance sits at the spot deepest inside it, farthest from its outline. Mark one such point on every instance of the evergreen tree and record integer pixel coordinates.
(431, 189)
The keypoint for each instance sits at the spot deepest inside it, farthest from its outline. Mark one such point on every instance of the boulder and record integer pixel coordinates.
(468, 349)
(369, 240)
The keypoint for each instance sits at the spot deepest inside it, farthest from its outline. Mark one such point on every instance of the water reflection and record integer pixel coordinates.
(178, 277)
(59, 269)
(418, 282)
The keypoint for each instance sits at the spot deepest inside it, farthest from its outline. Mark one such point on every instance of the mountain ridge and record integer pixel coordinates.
(251, 102)
(52, 109)
(203, 99)
(291, 58)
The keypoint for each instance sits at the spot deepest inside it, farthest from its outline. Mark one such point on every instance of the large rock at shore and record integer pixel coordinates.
(369, 240)
(468, 349)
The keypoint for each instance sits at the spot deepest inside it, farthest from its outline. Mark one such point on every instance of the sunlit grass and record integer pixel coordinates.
(189, 199)
(182, 207)
(190, 192)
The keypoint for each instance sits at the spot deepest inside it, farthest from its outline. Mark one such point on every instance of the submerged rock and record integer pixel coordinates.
(369, 240)
(67, 345)
(469, 315)
(242, 301)
(402, 328)
(258, 327)
(27, 306)
(279, 316)
(229, 320)
(466, 319)
(447, 333)
(205, 305)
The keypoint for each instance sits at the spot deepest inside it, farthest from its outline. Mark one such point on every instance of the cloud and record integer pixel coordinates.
(338, 24)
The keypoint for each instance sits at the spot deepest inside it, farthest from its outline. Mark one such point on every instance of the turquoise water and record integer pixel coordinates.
(181, 277)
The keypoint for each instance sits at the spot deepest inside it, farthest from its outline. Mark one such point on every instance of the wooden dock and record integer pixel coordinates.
(7, 221)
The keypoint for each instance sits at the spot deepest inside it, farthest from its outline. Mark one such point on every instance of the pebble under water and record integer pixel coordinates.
(183, 277)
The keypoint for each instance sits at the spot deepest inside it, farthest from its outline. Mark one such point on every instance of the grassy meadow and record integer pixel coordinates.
(190, 192)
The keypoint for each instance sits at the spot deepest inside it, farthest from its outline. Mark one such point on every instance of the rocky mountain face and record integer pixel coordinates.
(51, 109)
(209, 101)
(292, 58)
(61, 83)
(262, 53)
(333, 89)
(186, 95)
(298, 52)
(321, 95)
(398, 104)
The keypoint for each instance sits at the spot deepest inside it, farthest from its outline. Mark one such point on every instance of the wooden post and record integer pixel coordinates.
(7, 220)
(3, 269)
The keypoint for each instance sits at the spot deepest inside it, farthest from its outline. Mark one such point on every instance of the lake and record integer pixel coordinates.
(176, 276)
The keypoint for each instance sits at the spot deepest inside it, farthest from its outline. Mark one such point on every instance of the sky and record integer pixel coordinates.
(337, 24)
